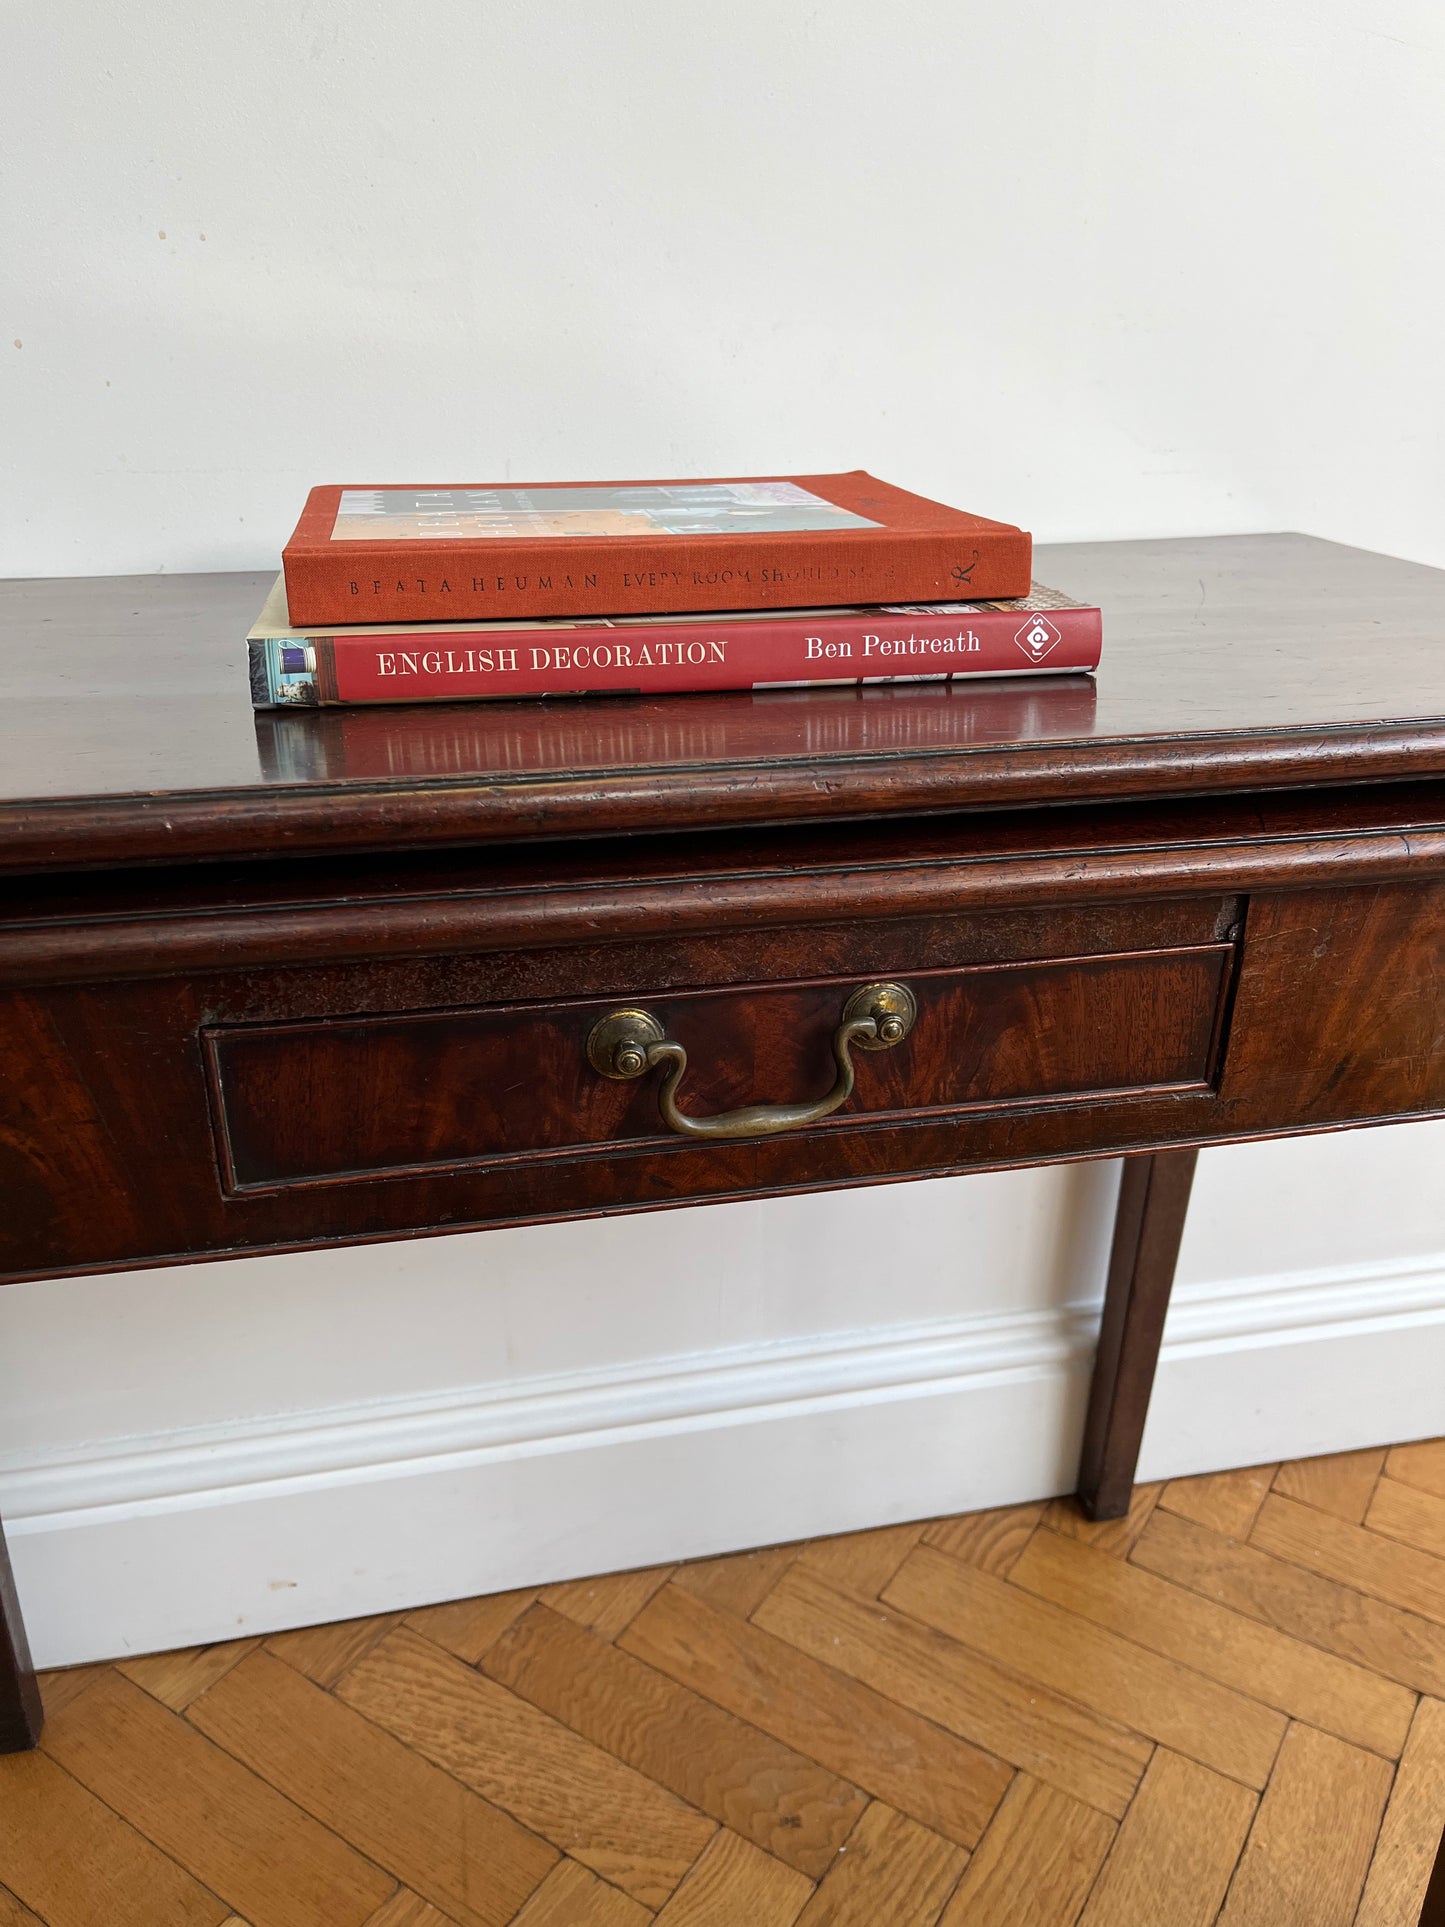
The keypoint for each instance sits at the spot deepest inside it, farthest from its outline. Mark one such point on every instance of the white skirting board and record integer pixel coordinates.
(251, 1527)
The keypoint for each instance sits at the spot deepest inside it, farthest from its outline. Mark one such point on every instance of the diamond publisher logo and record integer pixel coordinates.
(1038, 638)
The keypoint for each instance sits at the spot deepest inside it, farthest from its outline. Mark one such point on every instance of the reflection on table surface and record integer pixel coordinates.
(651, 732)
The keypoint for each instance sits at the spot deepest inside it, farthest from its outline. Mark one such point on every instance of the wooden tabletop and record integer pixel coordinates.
(1231, 662)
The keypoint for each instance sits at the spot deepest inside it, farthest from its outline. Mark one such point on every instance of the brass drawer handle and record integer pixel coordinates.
(629, 1043)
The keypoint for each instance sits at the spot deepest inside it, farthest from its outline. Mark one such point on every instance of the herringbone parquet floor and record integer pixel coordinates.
(1230, 1707)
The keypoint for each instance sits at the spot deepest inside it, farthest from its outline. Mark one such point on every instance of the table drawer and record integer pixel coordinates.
(330, 1102)
(255, 1107)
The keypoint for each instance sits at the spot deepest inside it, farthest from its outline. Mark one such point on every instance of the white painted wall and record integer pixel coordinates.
(1116, 269)
(1108, 271)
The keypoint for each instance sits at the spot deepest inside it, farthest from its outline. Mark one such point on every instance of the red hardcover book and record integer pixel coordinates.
(427, 554)
(1043, 633)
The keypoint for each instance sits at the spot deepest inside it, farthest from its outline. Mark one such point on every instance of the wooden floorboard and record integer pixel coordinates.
(1309, 1848)
(1176, 1849)
(1414, 1818)
(760, 1788)
(1225, 1710)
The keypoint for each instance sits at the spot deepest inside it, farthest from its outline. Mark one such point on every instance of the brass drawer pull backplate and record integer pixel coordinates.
(629, 1043)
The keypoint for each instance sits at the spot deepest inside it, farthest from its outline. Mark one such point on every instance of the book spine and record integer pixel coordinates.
(880, 647)
(531, 581)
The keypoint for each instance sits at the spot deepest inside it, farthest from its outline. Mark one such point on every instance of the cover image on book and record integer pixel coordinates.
(600, 508)
(1042, 633)
(369, 553)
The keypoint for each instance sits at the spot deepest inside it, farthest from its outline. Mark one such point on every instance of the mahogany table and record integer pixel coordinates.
(309, 978)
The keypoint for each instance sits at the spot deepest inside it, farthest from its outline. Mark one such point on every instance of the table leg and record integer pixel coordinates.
(1153, 1198)
(1432, 1914)
(21, 1716)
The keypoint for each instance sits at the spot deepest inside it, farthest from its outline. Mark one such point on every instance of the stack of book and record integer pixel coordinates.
(458, 594)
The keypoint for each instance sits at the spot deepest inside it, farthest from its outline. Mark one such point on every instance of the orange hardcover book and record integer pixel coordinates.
(369, 554)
